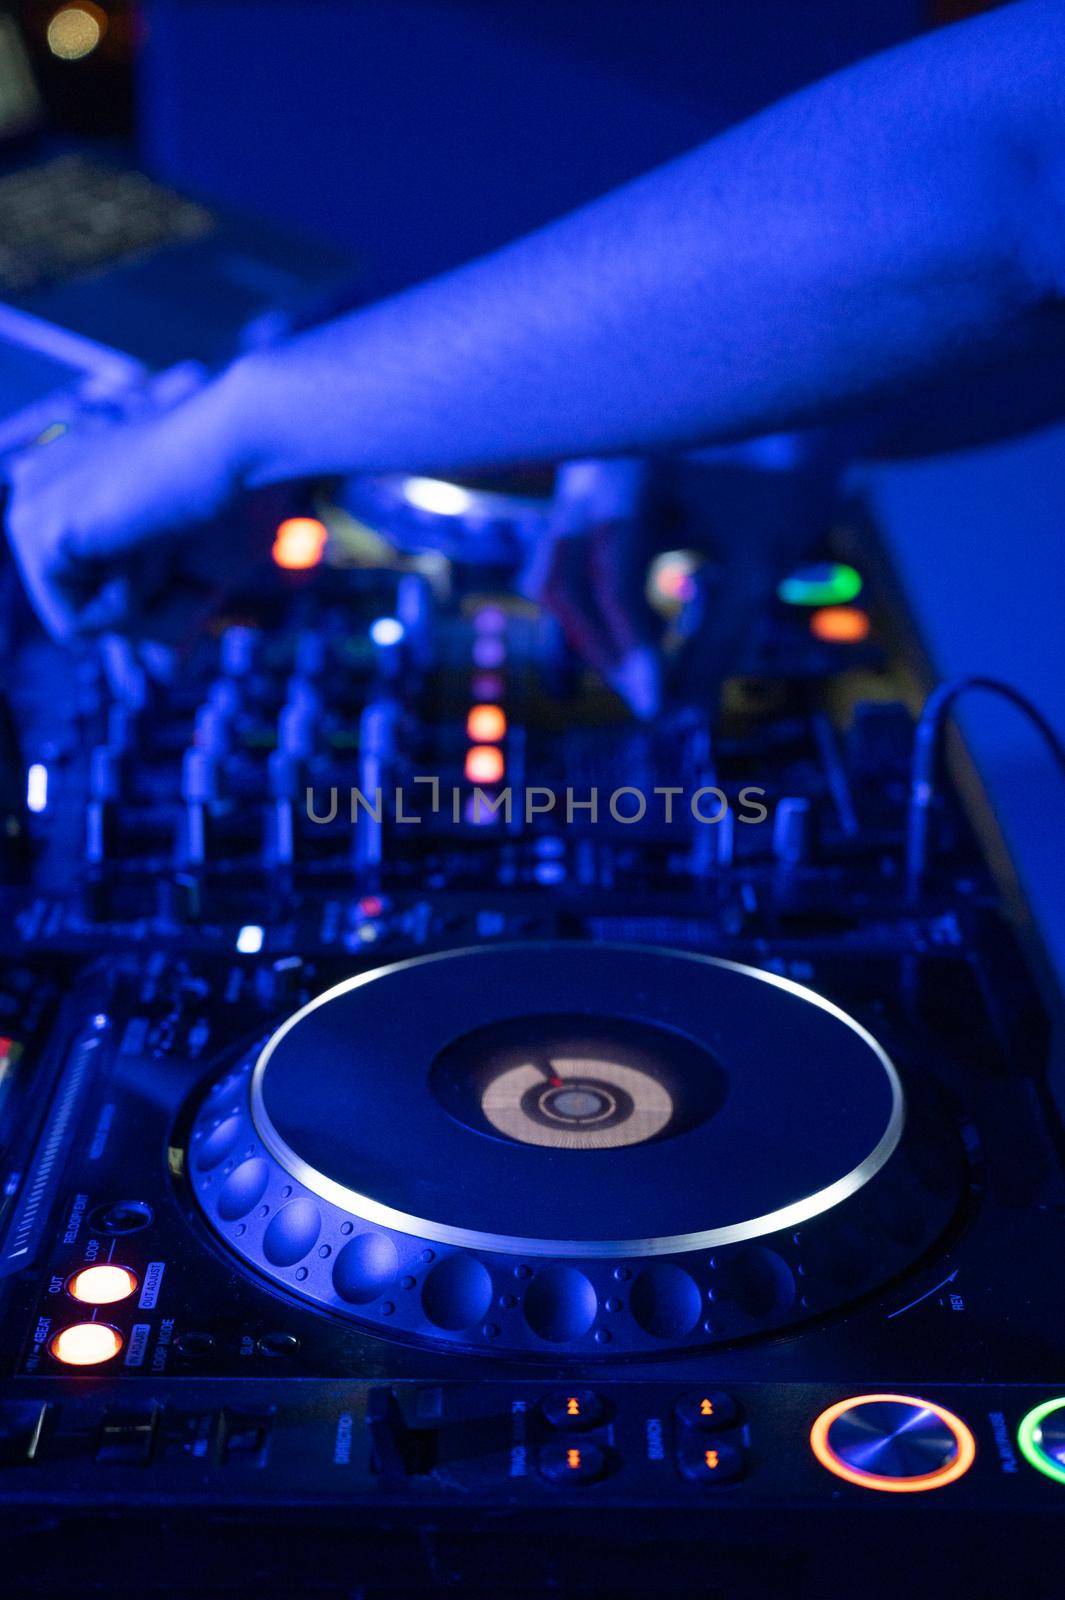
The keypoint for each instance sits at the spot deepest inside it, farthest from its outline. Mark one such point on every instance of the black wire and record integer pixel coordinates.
(925, 747)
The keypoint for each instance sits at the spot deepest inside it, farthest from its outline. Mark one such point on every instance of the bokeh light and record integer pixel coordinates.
(486, 724)
(76, 30)
(840, 625)
(484, 764)
(299, 543)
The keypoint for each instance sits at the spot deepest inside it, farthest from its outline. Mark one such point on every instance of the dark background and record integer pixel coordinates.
(418, 133)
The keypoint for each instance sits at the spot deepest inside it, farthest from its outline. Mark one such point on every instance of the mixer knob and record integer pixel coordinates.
(200, 790)
(105, 788)
(379, 729)
(199, 776)
(212, 731)
(240, 648)
(105, 773)
(414, 609)
(369, 827)
(792, 831)
(304, 695)
(311, 654)
(283, 777)
(122, 725)
(296, 730)
(224, 698)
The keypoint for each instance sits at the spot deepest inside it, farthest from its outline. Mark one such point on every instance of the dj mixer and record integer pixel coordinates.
(455, 1138)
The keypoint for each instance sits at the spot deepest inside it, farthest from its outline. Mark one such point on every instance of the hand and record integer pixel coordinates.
(110, 526)
(759, 507)
(590, 573)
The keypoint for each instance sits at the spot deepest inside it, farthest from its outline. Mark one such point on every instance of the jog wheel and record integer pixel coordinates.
(572, 1147)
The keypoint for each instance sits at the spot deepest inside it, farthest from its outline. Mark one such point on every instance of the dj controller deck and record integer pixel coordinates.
(418, 1174)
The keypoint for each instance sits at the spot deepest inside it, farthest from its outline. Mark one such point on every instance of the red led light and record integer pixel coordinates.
(299, 543)
(484, 764)
(486, 724)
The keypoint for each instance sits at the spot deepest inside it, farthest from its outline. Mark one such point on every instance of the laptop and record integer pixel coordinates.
(107, 277)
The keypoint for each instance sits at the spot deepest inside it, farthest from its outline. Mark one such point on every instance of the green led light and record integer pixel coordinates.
(830, 583)
(1030, 1439)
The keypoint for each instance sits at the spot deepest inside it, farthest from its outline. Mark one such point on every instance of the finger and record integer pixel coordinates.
(567, 593)
(108, 611)
(618, 570)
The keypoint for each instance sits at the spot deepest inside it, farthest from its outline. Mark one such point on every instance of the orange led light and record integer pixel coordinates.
(712, 1459)
(573, 1460)
(299, 543)
(484, 764)
(102, 1285)
(86, 1344)
(954, 1469)
(486, 724)
(840, 625)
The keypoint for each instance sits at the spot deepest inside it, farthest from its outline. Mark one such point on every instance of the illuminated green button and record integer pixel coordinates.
(829, 583)
(1041, 1437)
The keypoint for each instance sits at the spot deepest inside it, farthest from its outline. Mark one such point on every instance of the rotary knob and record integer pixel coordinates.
(893, 1442)
(1041, 1437)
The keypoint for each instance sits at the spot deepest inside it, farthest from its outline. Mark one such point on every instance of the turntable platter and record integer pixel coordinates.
(560, 1104)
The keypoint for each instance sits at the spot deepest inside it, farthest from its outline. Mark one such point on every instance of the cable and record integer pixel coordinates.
(925, 747)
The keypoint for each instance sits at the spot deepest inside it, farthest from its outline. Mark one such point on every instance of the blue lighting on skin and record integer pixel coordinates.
(250, 939)
(433, 494)
(37, 787)
(386, 631)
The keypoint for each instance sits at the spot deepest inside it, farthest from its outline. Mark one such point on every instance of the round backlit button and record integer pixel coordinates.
(1041, 1437)
(86, 1344)
(574, 1410)
(704, 1462)
(706, 1409)
(102, 1285)
(572, 1463)
(893, 1442)
(123, 1216)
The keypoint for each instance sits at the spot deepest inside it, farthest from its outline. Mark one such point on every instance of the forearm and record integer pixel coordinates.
(892, 224)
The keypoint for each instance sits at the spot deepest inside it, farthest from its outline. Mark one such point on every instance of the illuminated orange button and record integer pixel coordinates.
(955, 1466)
(86, 1344)
(840, 625)
(486, 724)
(573, 1460)
(484, 764)
(102, 1285)
(299, 543)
